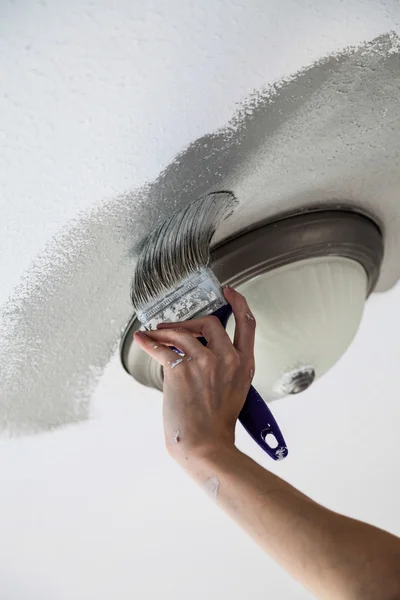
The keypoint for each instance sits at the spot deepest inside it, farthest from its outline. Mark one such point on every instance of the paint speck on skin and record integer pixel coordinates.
(249, 317)
(177, 362)
(212, 487)
(251, 373)
(155, 347)
(189, 359)
(176, 439)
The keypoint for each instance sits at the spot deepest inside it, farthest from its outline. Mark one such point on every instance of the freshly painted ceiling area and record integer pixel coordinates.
(112, 116)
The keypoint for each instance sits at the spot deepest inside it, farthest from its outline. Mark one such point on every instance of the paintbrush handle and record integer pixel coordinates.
(255, 416)
(260, 424)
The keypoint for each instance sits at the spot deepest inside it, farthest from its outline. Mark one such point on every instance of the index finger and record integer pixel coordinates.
(209, 327)
(245, 323)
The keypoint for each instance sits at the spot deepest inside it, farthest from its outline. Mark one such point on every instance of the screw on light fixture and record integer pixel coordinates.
(295, 381)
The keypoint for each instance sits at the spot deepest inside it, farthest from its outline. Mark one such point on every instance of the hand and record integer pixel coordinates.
(205, 388)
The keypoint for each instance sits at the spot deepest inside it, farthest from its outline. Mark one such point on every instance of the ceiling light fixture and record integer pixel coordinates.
(306, 277)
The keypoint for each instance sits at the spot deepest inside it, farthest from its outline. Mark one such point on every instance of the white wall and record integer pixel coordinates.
(100, 97)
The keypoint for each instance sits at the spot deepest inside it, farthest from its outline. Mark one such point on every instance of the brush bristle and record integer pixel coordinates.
(180, 246)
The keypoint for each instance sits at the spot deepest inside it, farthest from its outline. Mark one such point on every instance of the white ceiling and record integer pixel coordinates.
(100, 97)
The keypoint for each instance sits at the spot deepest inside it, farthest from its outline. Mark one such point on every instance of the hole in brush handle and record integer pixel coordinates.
(271, 440)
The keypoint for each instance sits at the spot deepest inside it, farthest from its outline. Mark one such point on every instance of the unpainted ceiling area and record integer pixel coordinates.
(113, 116)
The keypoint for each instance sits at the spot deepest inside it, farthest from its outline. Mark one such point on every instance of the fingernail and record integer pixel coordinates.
(227, 288)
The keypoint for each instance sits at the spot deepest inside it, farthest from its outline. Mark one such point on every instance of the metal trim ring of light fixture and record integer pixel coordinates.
(296, 237)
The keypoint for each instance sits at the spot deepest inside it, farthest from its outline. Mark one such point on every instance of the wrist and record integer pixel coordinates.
(209, 457)
(190, 446)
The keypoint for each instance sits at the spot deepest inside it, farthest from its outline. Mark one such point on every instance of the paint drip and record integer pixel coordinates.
(328, 134)
(176, 363)
(212, 487)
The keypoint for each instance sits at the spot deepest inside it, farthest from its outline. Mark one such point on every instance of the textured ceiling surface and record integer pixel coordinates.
(113, 116)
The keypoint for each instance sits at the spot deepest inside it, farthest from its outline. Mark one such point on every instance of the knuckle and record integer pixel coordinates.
(241, 302)
(182, 334)
(243, 312)
(232, 360)
(251, 366)
(247, 366)
(250, 319)
(205, 365)
(239, 296)
(212, 321)
(207, 360)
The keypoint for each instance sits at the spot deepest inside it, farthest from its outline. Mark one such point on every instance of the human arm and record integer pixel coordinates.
(332, 555)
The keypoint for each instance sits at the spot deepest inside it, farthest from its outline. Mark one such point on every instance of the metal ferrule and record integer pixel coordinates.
(197, 295)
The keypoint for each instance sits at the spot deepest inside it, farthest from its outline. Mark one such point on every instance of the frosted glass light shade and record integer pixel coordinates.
(307, 315)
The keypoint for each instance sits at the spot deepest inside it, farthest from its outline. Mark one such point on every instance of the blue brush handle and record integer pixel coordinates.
(255, 415)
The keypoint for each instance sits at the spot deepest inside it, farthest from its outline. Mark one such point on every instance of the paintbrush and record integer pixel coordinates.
(173, 282)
